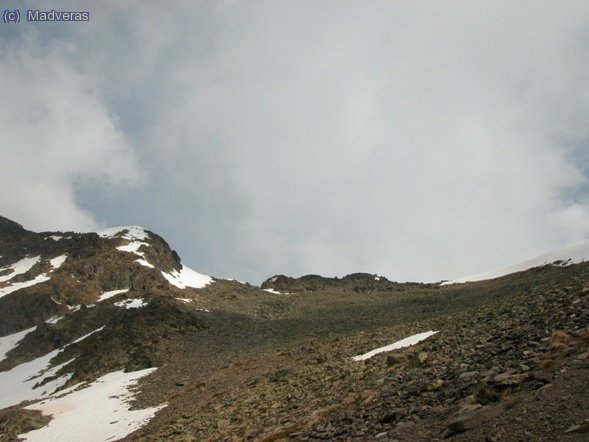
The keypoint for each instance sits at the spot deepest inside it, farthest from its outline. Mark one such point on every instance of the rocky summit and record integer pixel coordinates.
(108, 336)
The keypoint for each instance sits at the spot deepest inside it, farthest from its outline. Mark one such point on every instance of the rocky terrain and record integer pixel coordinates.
(510, 361)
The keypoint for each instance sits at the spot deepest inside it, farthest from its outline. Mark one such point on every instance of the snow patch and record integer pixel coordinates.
(186, 300)
(21, 285)
(411, 340)
(144, 263)
(133, 247)
(23, 266)
(572, 254)
(187, 277)
(276, 292)
(235, 280)
(132, 303)
(88, 334)
(9, 342)
(19, 267)
(128, 232)
(99, 412)
(57, 237)
(110, 294)
(57, 262)
(54, 320)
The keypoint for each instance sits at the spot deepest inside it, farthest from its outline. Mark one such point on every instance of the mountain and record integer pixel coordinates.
(571, 254)
(108, 335)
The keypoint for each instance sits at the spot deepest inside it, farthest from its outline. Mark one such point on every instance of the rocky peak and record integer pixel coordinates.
(50, 273)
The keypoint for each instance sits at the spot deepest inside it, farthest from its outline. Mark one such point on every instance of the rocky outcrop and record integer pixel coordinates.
(356, 282)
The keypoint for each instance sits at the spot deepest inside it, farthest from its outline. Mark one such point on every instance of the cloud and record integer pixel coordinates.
(57, 135)
(417, 140)
(421, 144)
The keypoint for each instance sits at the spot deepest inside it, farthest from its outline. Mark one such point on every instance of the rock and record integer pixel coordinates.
(544, 376)
(508, 378)
(436, 385)
(394, 415)
(471, 419)
(581, 428)
(467, 375)
(392, 360)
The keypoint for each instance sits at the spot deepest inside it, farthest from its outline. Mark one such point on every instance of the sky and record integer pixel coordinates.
(421, 140)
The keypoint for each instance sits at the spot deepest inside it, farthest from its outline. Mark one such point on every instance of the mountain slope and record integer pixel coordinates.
(571, 254)
(114, 316)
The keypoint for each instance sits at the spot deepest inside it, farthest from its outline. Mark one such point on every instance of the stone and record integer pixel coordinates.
(508, 378)
(471, 419)
(467, 375)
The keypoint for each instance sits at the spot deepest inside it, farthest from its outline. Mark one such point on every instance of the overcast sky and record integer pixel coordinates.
(420, 140)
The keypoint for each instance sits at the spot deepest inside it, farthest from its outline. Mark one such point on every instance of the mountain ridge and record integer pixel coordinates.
(216, 359)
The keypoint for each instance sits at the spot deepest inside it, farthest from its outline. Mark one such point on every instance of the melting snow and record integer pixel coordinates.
(131, 233)
(21, 285)
(57, 262)
(411, 340)
(9, 342)
(100, 412)
(23, 266)
(88, 334)
(20, 267)
(19, 383)
(276, 292)
(572, 254)
(144, 263)
(107, 295)
(133, 247)
(187, 278)
(132, 303)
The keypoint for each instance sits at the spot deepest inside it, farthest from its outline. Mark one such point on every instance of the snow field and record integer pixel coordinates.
(99, 412)
(20, 383)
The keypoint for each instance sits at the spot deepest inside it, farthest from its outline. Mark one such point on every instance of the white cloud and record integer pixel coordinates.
(419, 140)
(57, 133)
(419, 143)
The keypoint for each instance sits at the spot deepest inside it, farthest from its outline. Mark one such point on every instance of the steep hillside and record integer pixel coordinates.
(85, 318)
